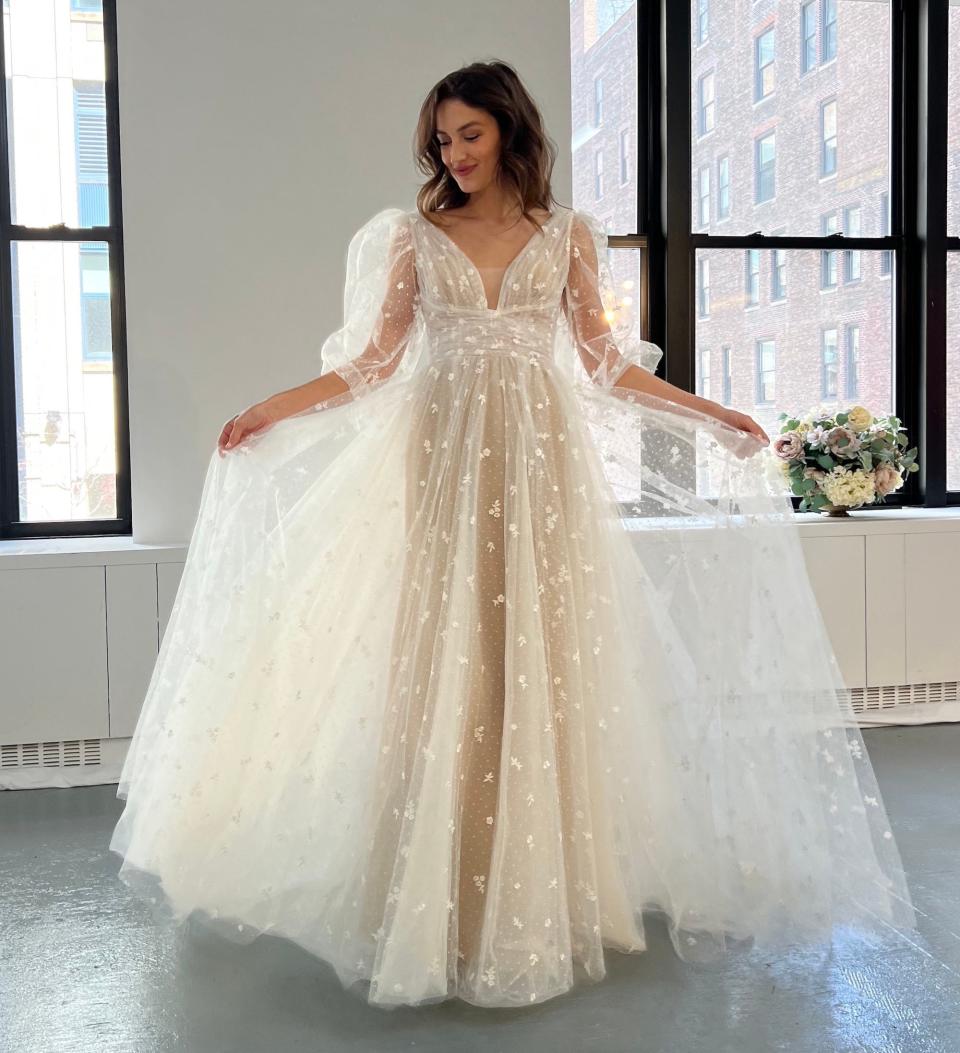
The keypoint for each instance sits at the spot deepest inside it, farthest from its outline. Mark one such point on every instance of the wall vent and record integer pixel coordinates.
(68, 753)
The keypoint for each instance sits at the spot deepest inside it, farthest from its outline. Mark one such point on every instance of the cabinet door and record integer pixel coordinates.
(836, 569)
(54, 631)
(932, 581)
(132, 640)
(168, 581)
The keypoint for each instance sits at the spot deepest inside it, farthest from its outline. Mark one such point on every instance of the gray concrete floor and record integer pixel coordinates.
(84, 967)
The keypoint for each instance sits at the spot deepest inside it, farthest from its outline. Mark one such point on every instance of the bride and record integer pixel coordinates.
(489, 640)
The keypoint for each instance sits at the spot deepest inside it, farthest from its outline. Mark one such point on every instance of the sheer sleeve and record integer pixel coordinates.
(380, 303)
(605, 336)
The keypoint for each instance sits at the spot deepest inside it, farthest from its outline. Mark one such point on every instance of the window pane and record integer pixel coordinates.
(953, 130)
(820, 106)
(56, 114)
(953, 371)
(604, 114)
(65, 393)
(786, 353)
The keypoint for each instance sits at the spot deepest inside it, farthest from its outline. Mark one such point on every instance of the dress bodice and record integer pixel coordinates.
(454, 295)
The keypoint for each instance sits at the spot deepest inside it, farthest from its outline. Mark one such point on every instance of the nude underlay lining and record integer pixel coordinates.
(489, 276)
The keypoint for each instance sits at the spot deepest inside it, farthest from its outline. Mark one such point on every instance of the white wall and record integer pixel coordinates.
(255, 139)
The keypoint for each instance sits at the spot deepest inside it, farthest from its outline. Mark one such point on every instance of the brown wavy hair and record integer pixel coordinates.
(527, 153)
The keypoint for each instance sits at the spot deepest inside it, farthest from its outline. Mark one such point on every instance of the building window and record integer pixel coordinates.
(766, 370)
(703, 20)
(704, 206)
(851, 257)
(90, 137)
(707, 104)
(853, 362)
(828, 33)
(763, 80)
(828, 137)
(828, 257)
(598, 174)
(624, 155)
(752, 276)
(778, 274)
(598, 101)
(703, 288)
(808, 37)
(723, 188)
(764, 165)
(727, 394)
(828, 364)
(703, 368)
(885, 256)
(97, 343)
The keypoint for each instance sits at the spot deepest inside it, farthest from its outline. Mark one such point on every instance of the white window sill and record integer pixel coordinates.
(84, 551)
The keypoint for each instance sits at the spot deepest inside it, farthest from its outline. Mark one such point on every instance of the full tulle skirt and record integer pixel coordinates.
(452, 696)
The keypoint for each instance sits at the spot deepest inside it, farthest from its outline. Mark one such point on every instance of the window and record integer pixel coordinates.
(778, 274)
(853, 362)
(828, 38)
(63, 461)
(766, 370)
(808, 37)
(828, 363)
(752, 276)
(703, 370)
(703, 288)
(598, 101)
(828, 137)
(707, 104)
(90, 137)
(704, 205)
(624, 156)
(598, 174)
(886, 255)
(764, 165)
(851, 257)
(763, 80)
(828, 257)
(723, 188)
(703, 20)
(727, 393)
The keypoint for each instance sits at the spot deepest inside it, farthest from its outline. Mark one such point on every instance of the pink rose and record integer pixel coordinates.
(842, 441)
(886, 478)
(788, 446)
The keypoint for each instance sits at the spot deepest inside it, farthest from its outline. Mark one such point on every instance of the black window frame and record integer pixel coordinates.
(12, 527)
(917, 241)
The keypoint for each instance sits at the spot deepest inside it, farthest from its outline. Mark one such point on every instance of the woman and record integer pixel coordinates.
(492, 640)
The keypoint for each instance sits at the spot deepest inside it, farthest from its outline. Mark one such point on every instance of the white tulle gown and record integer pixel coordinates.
(473, 665)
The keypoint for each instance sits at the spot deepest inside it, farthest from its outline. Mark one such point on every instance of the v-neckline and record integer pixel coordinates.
(506, 271)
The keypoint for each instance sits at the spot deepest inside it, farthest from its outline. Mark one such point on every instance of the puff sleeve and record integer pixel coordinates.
(380, 303)
(606, 337)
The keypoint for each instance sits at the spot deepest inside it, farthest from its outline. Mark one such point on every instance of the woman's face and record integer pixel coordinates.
(469, 144)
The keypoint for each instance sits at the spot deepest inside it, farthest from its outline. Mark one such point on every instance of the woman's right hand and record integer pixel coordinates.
(251, 421)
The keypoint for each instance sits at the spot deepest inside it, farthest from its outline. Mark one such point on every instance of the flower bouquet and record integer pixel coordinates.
(834, 463)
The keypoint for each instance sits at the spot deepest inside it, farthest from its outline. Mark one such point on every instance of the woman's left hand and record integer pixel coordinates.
(743, 423)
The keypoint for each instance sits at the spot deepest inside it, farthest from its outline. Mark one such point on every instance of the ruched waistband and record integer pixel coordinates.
(523, 334)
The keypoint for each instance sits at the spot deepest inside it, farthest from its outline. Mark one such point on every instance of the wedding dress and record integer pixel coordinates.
(475, 663)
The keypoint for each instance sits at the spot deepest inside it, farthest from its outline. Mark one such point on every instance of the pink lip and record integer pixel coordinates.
(464, 171)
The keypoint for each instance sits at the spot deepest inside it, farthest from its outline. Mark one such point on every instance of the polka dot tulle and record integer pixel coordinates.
(476, 664)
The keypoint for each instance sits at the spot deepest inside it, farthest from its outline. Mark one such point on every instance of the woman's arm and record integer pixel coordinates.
(599, 346)
(387, 337)
(637, 379)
